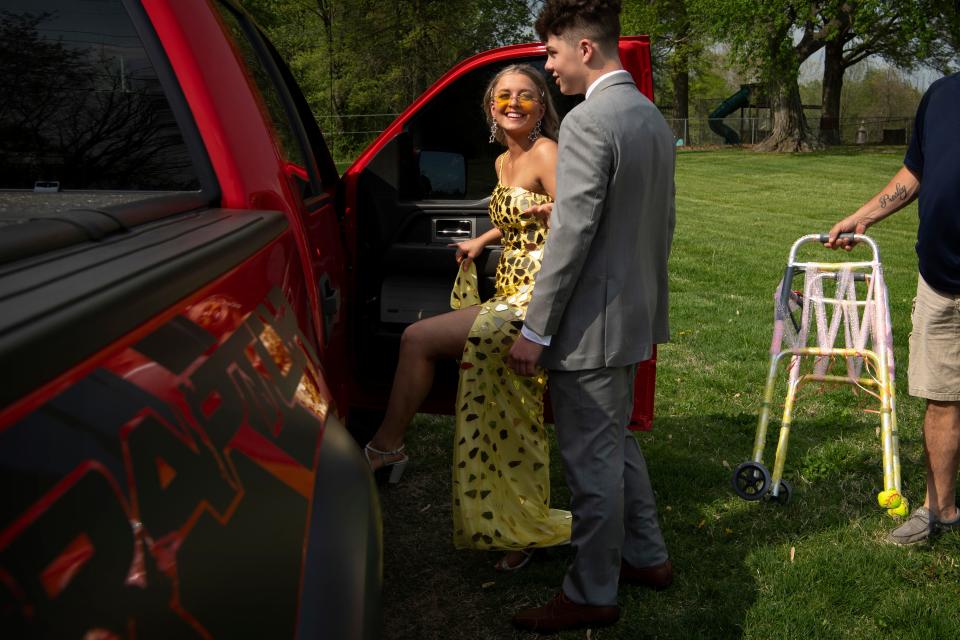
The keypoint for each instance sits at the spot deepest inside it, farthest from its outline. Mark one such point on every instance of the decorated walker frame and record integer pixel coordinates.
(811, 355)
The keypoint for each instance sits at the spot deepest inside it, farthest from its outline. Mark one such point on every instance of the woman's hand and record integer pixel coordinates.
(542, 213)
(468, 250)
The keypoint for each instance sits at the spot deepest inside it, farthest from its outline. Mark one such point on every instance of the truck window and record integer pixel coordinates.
(280, 113)
(453, 123)
(81, 110)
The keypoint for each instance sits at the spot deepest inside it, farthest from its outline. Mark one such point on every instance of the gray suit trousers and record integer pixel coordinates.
(614, 512)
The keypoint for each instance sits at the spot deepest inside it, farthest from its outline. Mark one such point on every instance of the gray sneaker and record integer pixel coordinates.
(915, 530)
(920, 527)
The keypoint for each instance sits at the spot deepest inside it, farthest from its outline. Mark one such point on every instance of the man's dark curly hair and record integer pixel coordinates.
(597, 20)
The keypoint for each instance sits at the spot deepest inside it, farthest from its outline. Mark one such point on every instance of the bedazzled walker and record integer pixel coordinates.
(837, 296)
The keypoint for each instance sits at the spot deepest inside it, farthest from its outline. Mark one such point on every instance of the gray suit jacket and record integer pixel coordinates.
(602, 290)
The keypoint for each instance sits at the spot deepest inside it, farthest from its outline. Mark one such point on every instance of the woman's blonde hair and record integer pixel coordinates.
(549, 125)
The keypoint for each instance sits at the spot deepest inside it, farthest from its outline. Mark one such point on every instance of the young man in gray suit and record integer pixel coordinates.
(599, 306)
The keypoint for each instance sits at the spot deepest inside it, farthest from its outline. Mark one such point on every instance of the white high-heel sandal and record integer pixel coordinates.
(398, 466)
(505, 567)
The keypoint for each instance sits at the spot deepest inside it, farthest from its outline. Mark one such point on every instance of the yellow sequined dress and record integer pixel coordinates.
(501, 461)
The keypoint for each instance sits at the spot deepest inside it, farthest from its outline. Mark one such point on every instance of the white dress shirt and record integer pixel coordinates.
(593, 85)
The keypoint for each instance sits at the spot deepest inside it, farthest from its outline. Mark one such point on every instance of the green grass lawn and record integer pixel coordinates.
(738, 212)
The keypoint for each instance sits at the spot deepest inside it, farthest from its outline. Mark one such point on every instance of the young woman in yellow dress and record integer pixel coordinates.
(501, 477)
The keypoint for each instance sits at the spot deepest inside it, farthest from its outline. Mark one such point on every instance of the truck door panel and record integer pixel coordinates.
(420, 265)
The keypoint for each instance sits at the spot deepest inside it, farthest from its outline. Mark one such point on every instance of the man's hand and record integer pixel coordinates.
(856, 223)
(524, 356)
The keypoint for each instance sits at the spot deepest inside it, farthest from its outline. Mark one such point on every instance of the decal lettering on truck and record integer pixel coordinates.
(119, 504)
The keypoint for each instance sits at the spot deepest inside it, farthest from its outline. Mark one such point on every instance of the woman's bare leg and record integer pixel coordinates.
(423, 343)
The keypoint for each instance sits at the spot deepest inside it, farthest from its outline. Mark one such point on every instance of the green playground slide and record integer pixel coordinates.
(737, 101)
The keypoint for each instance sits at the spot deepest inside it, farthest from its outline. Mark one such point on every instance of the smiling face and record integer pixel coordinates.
(565, 60)
(516, 105)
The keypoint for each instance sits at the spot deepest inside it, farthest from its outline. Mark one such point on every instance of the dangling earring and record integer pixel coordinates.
(536, 130)
(493, 133)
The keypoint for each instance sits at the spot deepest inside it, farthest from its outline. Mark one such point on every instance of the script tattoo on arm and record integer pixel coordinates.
(899, 193)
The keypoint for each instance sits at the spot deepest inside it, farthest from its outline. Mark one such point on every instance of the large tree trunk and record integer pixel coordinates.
(833, 69)
(789, 130)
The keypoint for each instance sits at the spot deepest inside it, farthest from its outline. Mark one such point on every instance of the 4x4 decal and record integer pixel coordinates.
(123, 512)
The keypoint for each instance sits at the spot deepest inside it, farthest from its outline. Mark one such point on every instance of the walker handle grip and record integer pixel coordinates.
(844, 236)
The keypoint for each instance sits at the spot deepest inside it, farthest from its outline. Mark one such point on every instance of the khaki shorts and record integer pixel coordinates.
(934, 371)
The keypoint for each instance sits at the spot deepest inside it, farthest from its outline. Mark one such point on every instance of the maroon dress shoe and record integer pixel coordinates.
(562, 613)
(657, 577)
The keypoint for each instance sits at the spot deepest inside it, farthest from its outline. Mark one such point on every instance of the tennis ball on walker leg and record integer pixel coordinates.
(901, 510)
(889, 499)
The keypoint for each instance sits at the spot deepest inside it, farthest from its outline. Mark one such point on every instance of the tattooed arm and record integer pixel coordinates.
(899, 192)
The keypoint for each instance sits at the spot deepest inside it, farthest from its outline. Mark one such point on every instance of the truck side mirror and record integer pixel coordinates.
(443, 175)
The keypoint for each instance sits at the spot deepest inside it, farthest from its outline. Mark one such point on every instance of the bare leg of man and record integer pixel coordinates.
(423, 343)
(941, 439)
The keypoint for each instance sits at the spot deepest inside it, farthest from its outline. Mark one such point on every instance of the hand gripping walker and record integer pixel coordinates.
(862, 318)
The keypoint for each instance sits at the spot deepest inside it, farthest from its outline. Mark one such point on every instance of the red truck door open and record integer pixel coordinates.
(423, 183)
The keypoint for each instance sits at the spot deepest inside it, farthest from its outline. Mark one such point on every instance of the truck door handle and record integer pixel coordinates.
(445, 229)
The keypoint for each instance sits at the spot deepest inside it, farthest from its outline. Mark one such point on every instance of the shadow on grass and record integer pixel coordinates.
(433, 591)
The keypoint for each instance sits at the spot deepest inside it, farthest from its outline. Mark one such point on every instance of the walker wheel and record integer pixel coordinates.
(784, 493)
(751, 480)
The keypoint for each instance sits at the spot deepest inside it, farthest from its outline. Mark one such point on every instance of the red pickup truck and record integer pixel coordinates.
(193, 303)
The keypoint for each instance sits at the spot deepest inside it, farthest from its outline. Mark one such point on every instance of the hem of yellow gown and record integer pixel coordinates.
(555, 532)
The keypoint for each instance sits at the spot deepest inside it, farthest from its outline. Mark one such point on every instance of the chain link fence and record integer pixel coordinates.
(704, 132)
(350, 133)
